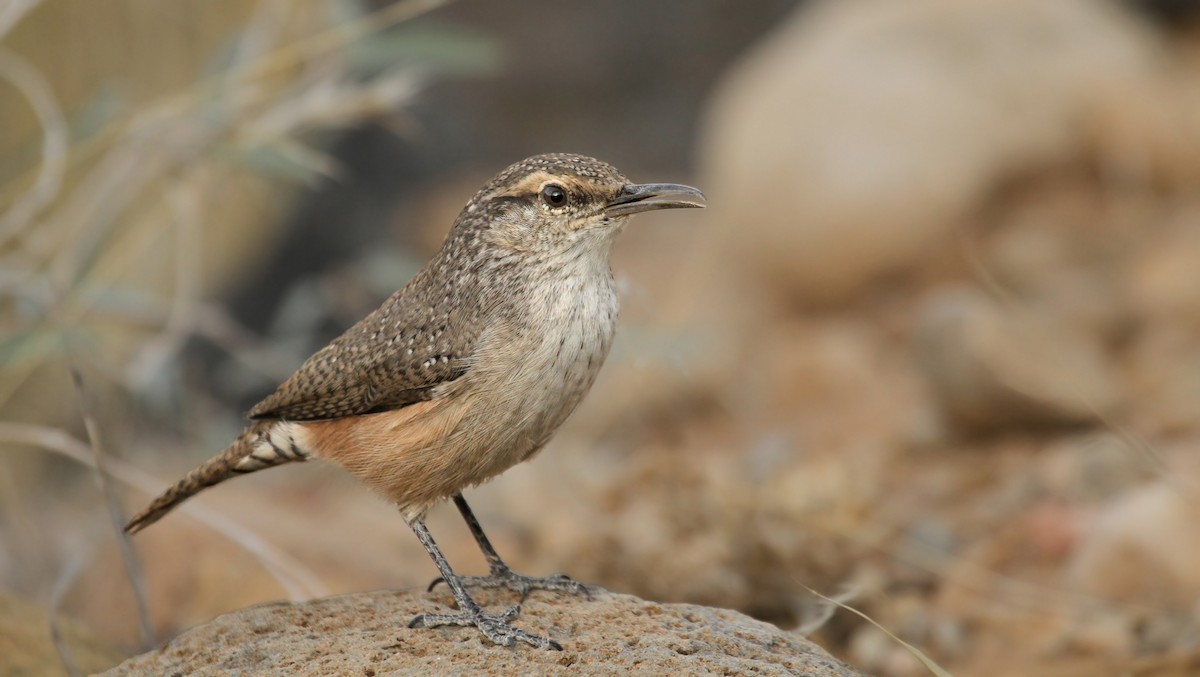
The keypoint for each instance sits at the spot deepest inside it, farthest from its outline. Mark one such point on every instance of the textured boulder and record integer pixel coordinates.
(367, 634)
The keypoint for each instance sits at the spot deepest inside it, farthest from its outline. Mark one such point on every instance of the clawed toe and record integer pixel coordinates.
(561, 583)
(522, 584)
(495, 628)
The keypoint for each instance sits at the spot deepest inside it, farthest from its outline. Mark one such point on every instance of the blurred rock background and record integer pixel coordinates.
(934, 347)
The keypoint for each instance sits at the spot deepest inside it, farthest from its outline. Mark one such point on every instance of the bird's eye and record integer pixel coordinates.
(554, 195)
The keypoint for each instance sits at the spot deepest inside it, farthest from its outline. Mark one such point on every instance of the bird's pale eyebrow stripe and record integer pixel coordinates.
(534, 182)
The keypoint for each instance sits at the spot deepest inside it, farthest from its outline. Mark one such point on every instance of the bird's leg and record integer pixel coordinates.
(500, 575)
(495, 628)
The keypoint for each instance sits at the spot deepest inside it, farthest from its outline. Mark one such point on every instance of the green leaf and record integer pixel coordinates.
(289, 161)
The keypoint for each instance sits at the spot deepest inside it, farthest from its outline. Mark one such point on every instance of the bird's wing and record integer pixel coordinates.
(392, 358)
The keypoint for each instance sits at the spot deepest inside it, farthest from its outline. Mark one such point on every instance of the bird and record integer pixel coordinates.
(465, 371)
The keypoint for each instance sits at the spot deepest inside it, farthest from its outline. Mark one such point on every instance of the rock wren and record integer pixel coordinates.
(467, 370)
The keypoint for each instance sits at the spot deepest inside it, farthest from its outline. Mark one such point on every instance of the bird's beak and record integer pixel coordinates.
(643, 197)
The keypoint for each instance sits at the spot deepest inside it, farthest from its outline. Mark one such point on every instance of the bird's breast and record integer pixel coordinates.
(538, 360)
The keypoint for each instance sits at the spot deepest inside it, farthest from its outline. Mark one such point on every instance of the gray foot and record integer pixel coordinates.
(495, 628)
(507, 578)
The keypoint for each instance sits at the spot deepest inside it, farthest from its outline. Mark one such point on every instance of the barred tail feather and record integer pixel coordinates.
(262, 445)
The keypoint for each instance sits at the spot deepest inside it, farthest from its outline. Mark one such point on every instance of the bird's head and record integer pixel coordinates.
(559, 203)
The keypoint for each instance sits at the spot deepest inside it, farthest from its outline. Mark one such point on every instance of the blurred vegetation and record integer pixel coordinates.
(160, 164)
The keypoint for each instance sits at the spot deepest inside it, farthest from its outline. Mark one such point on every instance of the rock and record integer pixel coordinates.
(1134, 576)
(850, 144)
(991, 368)
(1143, 549)
(1054, 245)
(367, 634)
(1162, 361)
(1092, 468)
(1162, 276)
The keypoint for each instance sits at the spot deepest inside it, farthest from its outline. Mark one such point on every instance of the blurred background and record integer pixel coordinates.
(933, 349)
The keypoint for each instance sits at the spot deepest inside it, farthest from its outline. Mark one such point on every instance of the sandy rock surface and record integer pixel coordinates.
(367, 634)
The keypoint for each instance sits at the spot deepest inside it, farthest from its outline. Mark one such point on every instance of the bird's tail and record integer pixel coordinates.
(262, 445)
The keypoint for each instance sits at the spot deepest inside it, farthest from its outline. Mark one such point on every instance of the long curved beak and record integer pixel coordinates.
(643, 197)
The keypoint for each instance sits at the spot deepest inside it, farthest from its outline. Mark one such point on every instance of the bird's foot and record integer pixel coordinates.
(495, 628)
(507, 578)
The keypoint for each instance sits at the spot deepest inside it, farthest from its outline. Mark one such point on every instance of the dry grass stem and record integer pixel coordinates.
(184, 200)
(11, 13)
(928, 662)
(62, 585)
(129, 559)
(297, 580)
(37, 92)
